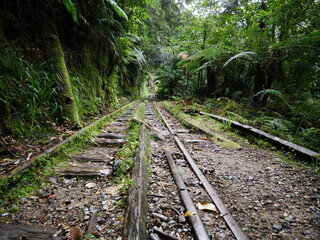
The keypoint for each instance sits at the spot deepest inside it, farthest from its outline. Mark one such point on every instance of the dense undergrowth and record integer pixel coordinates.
(29, 96)
(62, 63)
(300, 127)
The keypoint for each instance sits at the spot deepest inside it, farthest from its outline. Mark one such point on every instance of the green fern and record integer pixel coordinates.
(117, 9)
(71, 7)
(277, 124)
(274, 93)
(239, 55)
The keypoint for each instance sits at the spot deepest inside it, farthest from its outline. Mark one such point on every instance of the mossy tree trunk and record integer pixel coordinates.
(55, 52)
(5, 113)
(211, 81)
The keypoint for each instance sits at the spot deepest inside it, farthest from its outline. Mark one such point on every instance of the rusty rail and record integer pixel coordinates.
(232, 224)
(194, 218)
(302, 152)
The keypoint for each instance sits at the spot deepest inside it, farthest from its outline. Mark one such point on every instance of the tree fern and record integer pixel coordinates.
(239, 55)
(272, 92)
(71, 7)
(117, 9)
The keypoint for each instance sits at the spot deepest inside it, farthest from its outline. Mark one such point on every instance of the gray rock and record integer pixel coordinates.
(172, 222)
(277, 227)
(154, 236)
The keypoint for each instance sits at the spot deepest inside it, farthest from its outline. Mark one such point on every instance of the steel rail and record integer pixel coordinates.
(301, 151)
(197, 225)
(54, 148)
(231, 222)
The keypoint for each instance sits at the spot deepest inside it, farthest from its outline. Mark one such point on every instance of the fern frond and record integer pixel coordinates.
(117, 9)
(239, 55)
(272, 92)
(71, 7)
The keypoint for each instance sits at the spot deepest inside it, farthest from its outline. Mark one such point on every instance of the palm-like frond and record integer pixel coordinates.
(239, 55)
(71, 7)
(117, 9)
(272, 92)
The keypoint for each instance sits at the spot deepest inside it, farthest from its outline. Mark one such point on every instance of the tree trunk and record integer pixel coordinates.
(5, 112)
(211, 81)
(258, 83)
(55, 51)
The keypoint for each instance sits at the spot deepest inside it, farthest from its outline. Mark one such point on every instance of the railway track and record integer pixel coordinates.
(262, 194)
(192, 185)
(198, 188)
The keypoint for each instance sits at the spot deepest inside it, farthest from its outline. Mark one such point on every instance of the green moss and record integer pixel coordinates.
(191, 121)
(21, 184)
(112, 88)
(127, 153)
(54, 49)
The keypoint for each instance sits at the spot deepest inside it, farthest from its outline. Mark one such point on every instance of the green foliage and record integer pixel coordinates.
(30, 92)
(70, 6)
(117, 9)
(90, 237)
(12, 189)
(239, 55)
(272, 93)
(128, 151)
(310, 137)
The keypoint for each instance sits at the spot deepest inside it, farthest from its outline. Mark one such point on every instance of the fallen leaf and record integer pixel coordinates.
(189, 213)
(113, 189)
(210, 139)
(207, 206)
(47, 196)
(120, 156)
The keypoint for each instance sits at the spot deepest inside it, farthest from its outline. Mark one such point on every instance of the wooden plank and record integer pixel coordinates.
(118, 124)
(111, 129)
(108, 142)
(195, 140)
(58, 145)
(122, 119)
(111, 136)
(233, 225)
(84, 170)
(20, 231)
(194, 218)
(182, 131)
(91, 158)
(302, 152)
(137, 207)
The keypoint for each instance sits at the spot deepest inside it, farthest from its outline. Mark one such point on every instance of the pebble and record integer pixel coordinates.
(277, 227)
(164, 224)
(222, 235)
(66, 181)
(172, 222)
(182, 219)
(53, 180)
(90, 185)
(286, 224)
(154, 236)
(164, 218)
(289, 218)
(93, 209)
(312, 208)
